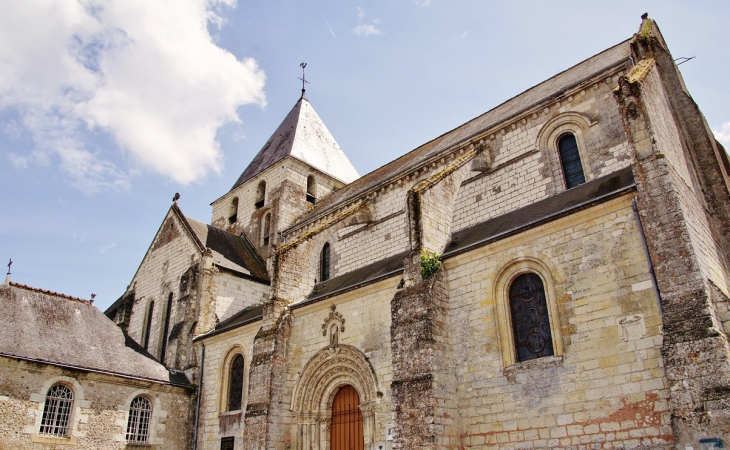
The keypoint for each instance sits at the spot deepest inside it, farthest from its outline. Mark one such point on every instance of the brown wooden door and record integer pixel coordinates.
(346, 421)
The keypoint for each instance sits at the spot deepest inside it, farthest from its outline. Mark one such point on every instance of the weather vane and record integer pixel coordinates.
(303, 78)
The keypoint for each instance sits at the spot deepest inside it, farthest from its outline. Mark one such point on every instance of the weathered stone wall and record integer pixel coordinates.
(100, 410)
(605, 388)
(522, 163)
(235, 293)
(285, 199)
(686, 230)
(172, 256)
(215, 421)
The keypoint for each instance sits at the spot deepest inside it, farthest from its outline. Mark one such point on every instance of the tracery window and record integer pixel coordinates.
(530, 318)
(138, 424)
(570, 160)
(324, 265)
(235, 384)
(57, 411)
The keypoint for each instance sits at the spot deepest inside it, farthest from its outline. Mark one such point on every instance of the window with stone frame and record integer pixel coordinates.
(530, 318)
(260, 195)
(57, 411)
(324, 263)
(311, 190)
(138, 423)
(233, 211)
(570, 161)
(235, 384)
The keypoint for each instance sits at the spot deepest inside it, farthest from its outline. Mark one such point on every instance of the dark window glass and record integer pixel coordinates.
(148, 327)
(325, 260)
(235, 386)
(530, 320)
(166, 329)
(570, 159)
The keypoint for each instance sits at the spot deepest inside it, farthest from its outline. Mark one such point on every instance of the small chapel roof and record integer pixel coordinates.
(59, 330)
(544, 91)
(305, 137)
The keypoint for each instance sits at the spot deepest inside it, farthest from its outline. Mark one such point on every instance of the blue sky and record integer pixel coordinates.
(109, 107)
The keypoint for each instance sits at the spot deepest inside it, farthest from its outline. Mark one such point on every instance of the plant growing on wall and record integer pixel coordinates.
(430, 263)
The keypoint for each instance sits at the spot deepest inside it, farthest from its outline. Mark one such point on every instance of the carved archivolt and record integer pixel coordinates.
(330, 368)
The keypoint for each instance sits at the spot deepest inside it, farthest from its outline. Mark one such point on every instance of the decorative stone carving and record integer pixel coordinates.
(334, 324)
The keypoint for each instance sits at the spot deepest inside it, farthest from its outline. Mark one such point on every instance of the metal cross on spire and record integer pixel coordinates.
(303, 78)
(10, 264)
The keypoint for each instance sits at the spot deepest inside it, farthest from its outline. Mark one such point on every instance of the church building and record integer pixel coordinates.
(551, 274)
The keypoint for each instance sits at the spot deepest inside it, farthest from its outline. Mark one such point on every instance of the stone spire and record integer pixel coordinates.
(305, 137)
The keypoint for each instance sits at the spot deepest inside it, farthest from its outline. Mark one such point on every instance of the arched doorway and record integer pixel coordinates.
(346, 420)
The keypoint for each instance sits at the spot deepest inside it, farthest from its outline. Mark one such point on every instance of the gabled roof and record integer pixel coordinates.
(555, 86)
(55, 329)
(303, 136)
(230, 251)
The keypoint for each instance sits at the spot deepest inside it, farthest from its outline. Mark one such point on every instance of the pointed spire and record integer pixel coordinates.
(305, 137)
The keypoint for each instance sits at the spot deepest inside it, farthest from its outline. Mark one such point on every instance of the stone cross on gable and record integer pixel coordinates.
(10, 264)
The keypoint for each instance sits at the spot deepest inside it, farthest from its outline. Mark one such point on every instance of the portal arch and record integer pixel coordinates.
(324, 374)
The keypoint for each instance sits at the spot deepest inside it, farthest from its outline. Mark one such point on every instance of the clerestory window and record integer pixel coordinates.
(324, 263)
(570, 160)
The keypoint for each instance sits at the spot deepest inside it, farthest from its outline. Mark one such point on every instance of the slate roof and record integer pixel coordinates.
(244, 316)
(230, 251)
(55, 329)
(304, 136)
(614, 56)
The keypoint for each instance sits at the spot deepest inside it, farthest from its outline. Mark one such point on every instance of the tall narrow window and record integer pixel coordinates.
(148, 325)
(260, 195)
(570, 160)
(530, 319)
(266, 229)
(324, 266)
(57, 411)
(235, 384)
(138, 424)
(233, 213)
(166, 329)
(311, 186)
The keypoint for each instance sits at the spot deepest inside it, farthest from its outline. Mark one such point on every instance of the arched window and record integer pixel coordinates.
(266, 229)
(235, 384)
(530, 318)
(233, 213)
(148, 325)
(570, 160)
(57, 411)
(138, 424)
(324, 263)
(311, 190)
(260, 195)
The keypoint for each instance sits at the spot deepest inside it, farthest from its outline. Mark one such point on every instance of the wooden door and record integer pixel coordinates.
(346, 421)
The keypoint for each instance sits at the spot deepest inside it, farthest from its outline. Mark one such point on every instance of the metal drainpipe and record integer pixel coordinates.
(200, 392)
(648, 256)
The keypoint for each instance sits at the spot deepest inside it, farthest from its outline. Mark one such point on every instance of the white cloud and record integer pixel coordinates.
(422, 2)
(723, 134)
(360, 13)
(105, 248)
(146, 72)
(365, 29)
(464, 34)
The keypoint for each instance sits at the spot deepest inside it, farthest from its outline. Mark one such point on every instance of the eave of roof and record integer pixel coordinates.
(553, 87)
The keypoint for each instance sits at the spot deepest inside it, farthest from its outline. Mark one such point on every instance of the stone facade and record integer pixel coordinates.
(316, 282)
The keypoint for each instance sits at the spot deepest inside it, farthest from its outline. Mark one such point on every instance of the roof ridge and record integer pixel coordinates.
(49, 292)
